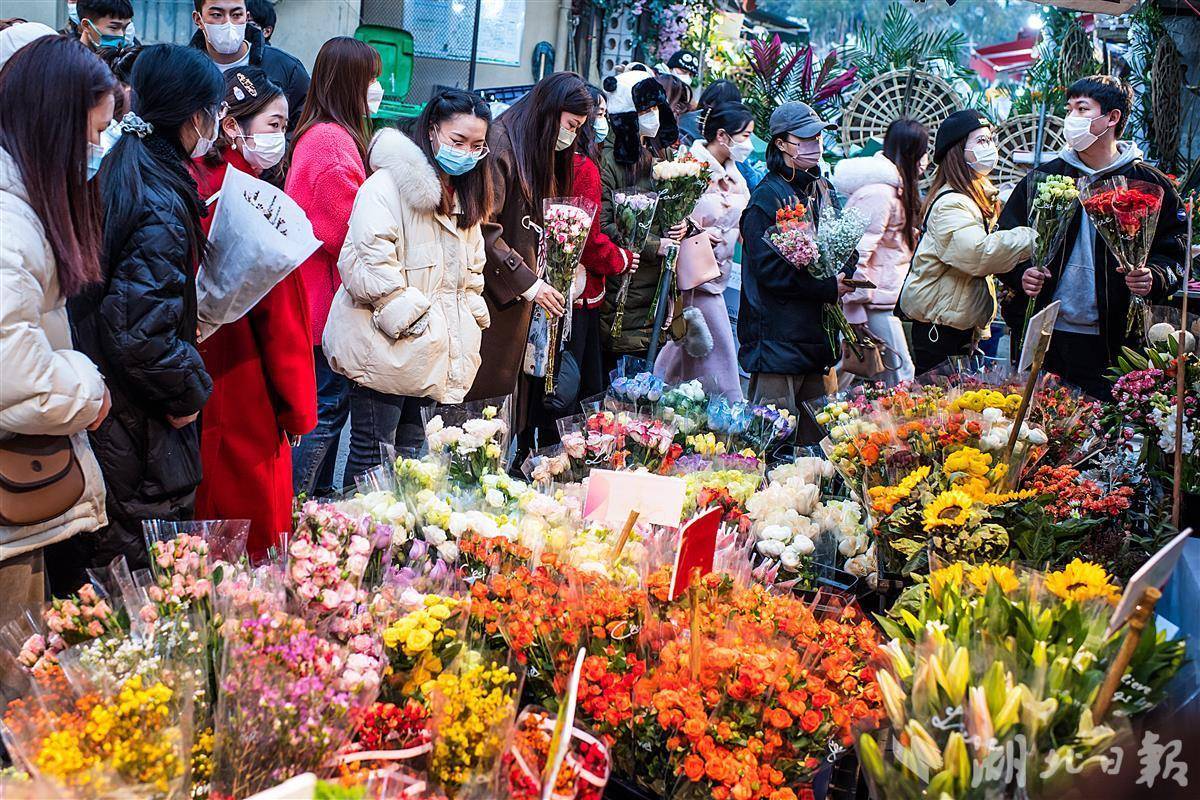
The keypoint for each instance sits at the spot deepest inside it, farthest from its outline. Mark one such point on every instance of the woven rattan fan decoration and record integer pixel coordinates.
(1019, 135)
(912, 93)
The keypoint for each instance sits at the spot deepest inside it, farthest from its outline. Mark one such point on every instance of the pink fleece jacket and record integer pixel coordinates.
(872, 185)
(324, 177)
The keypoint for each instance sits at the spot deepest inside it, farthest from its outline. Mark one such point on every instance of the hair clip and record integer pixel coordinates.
(132, 123)
(249, 84)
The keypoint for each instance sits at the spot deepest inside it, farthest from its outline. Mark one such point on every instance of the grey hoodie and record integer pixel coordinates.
(1076, 288)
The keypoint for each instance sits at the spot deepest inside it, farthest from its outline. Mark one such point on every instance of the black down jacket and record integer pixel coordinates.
(139, 327)
(780, 321)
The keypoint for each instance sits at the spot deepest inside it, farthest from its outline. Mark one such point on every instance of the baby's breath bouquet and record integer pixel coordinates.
(838, 236)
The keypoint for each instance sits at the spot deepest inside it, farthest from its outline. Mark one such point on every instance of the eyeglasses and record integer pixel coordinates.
(478, 152)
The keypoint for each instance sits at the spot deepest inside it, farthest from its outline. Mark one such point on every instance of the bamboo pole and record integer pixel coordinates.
(1116, 670)
(630, 521)
(1181, 374)
(694, 601)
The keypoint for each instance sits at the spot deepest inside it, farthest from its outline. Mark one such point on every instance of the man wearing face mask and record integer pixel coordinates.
(1083, 275)
(222, 31)
(105, 23)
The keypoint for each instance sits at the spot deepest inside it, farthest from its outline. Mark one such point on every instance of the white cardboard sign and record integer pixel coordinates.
(1041, 325)
(1154, 572)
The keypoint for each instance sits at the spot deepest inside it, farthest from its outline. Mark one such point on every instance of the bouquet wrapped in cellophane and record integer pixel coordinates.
(681, 182)
(822, 250)
(1125, 213)
(566, 222)
(1051, 203)
(990, 677)
(633, 215)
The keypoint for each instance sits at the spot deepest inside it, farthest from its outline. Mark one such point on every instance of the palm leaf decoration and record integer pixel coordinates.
(900, 44)
(781, 74)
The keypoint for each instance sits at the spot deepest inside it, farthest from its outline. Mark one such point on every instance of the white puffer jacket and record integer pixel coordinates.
(46, 387)
(409, 315)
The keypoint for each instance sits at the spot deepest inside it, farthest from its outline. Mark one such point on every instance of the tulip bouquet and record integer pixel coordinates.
(473, 437)
(1052, 203)
(566, 222)
(988, 663)
(1125, 213)
(633, 216)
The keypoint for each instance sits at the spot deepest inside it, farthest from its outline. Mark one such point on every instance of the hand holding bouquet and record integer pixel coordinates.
(1125, 213)
(633, 214)
(566, 222)
(1050, 209)
(682, 181)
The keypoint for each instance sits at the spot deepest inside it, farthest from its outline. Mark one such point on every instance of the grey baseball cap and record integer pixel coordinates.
(798, 119)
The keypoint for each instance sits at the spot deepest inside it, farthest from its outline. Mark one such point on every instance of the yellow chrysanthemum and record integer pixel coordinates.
(950, 509)
(946, 577)
(984, 574)
(1081, 581)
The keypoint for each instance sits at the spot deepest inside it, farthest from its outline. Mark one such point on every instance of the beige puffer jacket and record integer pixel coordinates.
(46, 387)
(409, 315)
(950, 282)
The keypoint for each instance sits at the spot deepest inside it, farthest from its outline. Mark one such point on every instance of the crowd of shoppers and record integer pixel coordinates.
(427, 271)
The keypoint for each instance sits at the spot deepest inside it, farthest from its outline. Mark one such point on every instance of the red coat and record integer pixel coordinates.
(264, 388)
(601, 256)
(323, 178)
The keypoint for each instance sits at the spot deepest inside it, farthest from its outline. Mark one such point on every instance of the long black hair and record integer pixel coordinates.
(170, 84)
(473, 189)
(47, 90)
(904, 144)
(532, 124)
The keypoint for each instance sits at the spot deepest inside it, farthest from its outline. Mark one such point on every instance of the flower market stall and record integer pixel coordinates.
(453, 631)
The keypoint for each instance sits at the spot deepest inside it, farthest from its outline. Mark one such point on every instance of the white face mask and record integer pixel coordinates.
(986, 158)
(263, 150)
(203, 144)
(566, 138)
(1078, 131)
(740, 151)
(226, 38)
(374, 97)
(648, 123)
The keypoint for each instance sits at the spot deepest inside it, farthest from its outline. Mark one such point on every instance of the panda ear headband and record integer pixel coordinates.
(630, 93)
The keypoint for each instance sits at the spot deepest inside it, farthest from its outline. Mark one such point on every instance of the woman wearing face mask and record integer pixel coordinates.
(532, 151)
(55, 99)
(638, 112)
(886, 189)
(949, 293)
(327, 165)
(708, 350)
(602, 259)
(406, 325)
(783, 342)
(264, 390)
(139, 324)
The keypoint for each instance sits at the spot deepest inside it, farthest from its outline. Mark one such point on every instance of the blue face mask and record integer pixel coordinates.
(455, 161)
(116, 40)
(95, 157)
(601, 128)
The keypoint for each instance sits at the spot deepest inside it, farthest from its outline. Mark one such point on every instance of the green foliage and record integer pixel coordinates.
(900, 43)
(779, 73)
(1064, 55)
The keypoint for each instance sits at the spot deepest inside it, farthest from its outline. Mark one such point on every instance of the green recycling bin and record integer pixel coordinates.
(395, 48)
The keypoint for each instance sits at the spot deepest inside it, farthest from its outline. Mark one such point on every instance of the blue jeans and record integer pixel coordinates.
(314, 458)
(377, 419)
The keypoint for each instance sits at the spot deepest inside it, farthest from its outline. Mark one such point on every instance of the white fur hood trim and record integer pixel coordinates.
(852, 174)
(412, 173)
